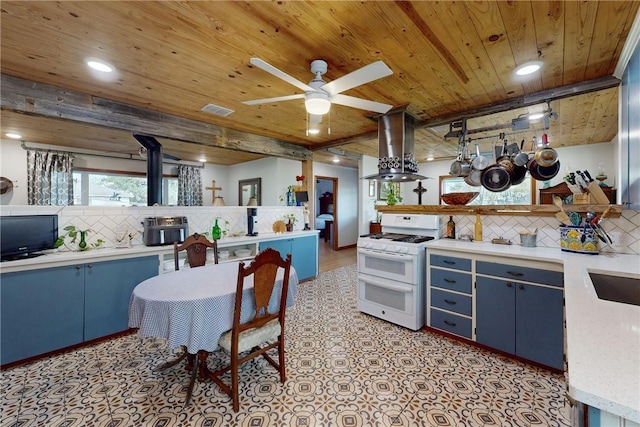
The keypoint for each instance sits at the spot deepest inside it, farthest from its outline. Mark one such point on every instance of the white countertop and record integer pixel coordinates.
(603, 337)
(61, 258)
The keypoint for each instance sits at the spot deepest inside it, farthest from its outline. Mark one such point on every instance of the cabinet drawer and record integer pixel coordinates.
(451, 262)
(450, 301)
(451, 323)
(453, 280)
(527, 274)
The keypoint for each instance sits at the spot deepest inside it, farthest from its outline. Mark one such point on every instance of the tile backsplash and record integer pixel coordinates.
(624, 231)
(106, 221)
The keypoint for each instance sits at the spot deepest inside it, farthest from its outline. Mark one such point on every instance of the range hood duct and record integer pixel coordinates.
(154, 168)
(396, 161)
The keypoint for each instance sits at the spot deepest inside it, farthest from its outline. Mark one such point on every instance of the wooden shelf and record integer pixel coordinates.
(510, 210)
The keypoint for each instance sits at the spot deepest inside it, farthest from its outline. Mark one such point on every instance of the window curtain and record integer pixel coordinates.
(189, 186)
(49, 178)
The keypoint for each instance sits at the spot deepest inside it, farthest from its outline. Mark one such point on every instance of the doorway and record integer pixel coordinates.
(326, 208)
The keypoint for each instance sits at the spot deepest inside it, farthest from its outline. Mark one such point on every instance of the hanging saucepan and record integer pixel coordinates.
(519, 174)
(474, 177)
(498, 177)
(462, 165)
(521, 158)
(546, 156)
(543, 173)
(479, 163)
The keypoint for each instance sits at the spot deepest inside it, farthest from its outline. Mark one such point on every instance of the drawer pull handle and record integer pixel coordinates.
(450, 302)
(449, 281)
(449, 262)
(509, 284)
(515, 273)
(521, 287)
(449, 323)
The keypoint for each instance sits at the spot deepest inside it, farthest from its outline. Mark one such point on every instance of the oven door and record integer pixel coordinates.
(394, 302)
(397, 267)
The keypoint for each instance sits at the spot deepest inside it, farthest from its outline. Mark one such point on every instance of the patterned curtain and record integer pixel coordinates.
(49, 178)
(189, 186)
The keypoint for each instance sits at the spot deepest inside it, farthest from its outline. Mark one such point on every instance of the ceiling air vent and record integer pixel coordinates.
(217, 110)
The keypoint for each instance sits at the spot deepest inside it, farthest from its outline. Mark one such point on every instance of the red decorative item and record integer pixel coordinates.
(300, 178)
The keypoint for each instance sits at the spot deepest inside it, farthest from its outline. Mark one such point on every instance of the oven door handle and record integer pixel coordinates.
(395, 287)
(384, 255)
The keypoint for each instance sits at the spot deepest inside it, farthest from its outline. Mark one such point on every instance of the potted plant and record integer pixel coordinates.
(74, 233)
(392, 197)
(290, 220)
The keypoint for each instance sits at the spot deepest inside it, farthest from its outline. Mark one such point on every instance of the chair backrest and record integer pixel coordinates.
(196, 246)
(264, 269)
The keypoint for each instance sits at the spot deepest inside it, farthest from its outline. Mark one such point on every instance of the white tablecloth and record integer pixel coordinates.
(194, 307)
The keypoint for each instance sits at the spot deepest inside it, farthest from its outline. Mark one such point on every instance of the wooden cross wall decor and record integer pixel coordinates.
(419, 189)
(213, 189)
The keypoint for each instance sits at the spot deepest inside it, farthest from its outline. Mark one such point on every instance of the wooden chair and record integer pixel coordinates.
(263, 331)
(196, 246)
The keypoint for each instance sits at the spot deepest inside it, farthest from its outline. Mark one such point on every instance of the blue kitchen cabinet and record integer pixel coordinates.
(49, 309)
(304, 253)
(496, 314)
(108, 287)
(42, 311)
(521, 319)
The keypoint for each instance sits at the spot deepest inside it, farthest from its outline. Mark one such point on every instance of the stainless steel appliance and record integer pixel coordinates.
(164, 230)
(391, 269)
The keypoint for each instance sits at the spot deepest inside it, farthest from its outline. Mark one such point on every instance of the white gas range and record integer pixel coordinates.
(391, 268)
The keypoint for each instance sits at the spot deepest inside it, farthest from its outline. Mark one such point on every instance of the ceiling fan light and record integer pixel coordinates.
(317, 103)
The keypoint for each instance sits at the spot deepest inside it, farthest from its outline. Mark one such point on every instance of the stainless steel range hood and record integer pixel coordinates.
(396, 161)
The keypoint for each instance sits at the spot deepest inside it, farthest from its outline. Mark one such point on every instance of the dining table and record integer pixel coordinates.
(191, 308)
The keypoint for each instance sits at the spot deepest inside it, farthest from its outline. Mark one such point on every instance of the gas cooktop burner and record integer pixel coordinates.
(395, 237)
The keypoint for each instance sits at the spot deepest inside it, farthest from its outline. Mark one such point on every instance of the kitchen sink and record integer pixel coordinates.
(620, 288)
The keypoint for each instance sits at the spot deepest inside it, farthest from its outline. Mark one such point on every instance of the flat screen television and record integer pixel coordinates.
(25, 236)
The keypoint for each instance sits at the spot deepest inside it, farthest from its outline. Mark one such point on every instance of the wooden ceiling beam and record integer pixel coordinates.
(33, 98)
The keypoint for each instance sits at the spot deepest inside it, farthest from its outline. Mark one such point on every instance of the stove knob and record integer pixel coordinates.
(402, 249)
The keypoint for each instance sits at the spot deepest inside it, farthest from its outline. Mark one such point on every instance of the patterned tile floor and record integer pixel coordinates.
(344, 369)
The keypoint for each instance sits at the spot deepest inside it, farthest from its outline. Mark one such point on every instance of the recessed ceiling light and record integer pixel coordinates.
(100, 65)
(336, 160)
(536, 116)
(314, 131)
(429, 159)
(202, 159)
(528, 68)
(13, 135)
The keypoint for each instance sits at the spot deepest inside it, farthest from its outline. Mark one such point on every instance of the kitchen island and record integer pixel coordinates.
(602, 337)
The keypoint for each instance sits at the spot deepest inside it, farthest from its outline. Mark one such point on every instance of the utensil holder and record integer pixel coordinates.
(528, 240)
(571, 240)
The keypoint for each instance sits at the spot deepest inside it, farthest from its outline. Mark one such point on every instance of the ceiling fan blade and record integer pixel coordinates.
(363, 104)
(280, 74)
(276, 99)
(363, 75)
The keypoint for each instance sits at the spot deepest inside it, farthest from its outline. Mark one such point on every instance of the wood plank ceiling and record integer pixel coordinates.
(173, 58)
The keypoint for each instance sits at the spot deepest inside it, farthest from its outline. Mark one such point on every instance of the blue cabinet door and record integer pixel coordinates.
(42, 311)
(108, 287)
(539, 325)
(496, 314)
(304, 256)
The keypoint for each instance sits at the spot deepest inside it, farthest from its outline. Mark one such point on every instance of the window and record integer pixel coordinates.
(521, 194)
(100, 188)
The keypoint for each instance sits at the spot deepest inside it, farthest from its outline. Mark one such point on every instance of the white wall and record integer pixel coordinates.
(347, 200)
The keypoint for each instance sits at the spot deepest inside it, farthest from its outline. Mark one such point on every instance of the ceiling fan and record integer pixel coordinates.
(319, 95)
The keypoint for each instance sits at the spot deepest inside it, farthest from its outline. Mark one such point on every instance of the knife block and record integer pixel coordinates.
(582, 199)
